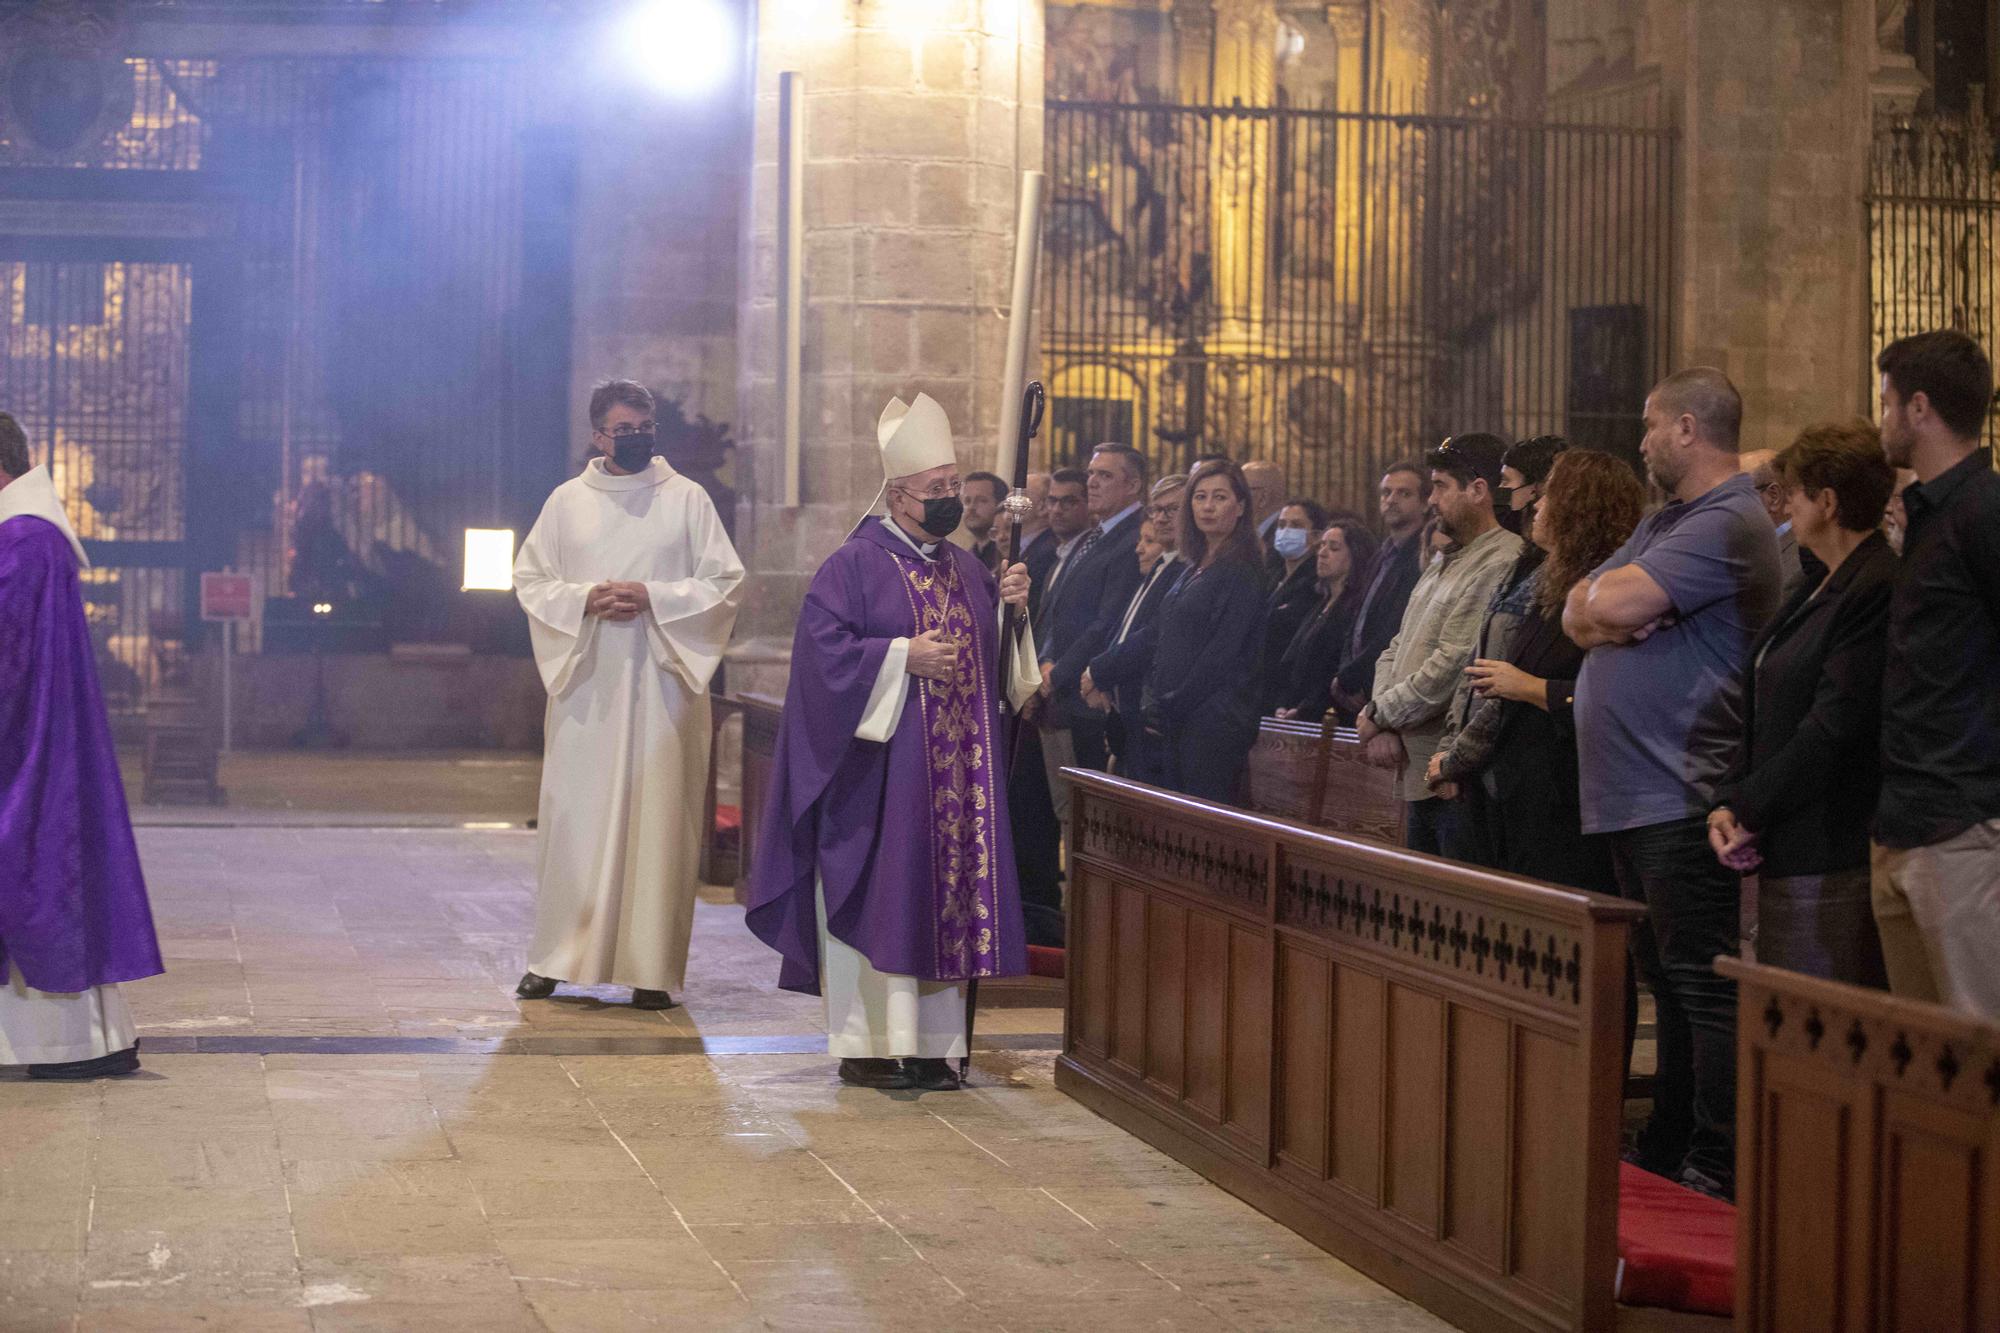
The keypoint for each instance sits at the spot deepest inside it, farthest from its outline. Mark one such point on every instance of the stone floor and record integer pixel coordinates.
(347, 1122)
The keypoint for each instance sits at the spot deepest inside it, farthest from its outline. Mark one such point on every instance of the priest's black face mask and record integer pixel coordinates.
(632, 452)
(942, 513)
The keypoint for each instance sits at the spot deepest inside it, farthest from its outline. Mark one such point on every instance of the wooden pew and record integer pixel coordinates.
(1867, 1159)
(1414, 1063)
(761, 715)
(1313, 773)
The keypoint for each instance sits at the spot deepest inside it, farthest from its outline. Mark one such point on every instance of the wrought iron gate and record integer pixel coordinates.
(1334, 290)
(1934, 232)
(302, 316)
(94, 365)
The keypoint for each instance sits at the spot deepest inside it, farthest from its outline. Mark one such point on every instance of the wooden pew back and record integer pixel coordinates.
(761, 716)
(1867, 1159)
(1417, 1064)
(1313, 773)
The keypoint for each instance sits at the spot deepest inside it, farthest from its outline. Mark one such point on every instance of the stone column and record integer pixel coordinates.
(920, 117)
(1240, 161)
(1774, 105)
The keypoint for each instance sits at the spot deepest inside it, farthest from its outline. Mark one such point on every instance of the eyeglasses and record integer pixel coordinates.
(1167, 510)
(627, 432)
(937, 490)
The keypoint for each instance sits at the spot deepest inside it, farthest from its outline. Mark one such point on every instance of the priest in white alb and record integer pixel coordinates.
(884, 868)
(631, 589)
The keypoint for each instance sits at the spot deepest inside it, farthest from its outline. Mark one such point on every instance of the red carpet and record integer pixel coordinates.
(1676, 1247)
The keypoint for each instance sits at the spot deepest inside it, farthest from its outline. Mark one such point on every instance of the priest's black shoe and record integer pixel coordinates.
(875, 1073)
(103, 1066)
(932, 1075)
(533, 987)
(651, 999)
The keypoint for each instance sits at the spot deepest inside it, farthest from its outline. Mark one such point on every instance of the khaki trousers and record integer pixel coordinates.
(1058, 753)
(1938, 911)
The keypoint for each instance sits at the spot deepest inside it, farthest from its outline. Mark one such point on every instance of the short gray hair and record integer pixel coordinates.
(1704, 393)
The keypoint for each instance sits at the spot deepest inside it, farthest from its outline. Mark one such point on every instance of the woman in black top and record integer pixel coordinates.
(1796, 805)
(1526, 763)
(1200, 702)
(1294, 536)
(1315, 651)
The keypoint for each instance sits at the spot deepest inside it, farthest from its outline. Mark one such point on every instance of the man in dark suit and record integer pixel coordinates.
(1037, 831)
(1266, 481)
(1405, 492)
(1115, 678)
(1086, 600)
(1038, 536)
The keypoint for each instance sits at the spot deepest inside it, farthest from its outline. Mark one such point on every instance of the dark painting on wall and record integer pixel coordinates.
(1607, 388)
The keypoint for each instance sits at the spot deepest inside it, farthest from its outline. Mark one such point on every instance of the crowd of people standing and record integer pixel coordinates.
(1779, 666)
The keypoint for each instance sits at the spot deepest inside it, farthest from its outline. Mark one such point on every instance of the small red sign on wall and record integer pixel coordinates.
(226, 596)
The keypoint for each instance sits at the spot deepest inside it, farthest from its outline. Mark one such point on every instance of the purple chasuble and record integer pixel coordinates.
(73, 911)
(909, 836)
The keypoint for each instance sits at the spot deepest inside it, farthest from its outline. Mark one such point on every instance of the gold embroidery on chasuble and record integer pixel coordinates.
(957, 716)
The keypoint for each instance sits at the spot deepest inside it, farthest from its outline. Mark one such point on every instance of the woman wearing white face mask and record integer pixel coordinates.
(1295, 536)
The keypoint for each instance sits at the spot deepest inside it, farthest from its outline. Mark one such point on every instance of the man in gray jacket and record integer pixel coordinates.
(1414, 678)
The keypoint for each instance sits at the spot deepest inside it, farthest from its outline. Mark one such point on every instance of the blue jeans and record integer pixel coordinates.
(1442, 828)
(1691, 916)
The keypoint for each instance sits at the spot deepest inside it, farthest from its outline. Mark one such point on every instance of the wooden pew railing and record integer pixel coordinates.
(1867, 1159)
(1312, 772)
(1414, 1063)
(761, 716)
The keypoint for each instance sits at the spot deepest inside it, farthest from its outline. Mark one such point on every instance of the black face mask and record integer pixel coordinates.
(942, 515)
(632, 453)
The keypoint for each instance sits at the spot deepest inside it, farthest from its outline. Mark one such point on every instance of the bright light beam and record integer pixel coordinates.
(677, 48)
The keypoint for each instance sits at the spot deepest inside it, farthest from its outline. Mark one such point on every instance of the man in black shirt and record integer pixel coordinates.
(1936, 881)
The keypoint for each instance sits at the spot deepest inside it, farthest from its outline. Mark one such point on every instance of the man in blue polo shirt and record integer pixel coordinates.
(1669, 620)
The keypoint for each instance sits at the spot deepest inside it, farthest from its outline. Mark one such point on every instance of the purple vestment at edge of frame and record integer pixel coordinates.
(909, 836)
(73, 910)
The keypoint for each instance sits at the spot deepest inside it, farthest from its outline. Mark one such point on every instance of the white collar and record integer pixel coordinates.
(1118, 517)
(658, 472)
(34, 493)
(925, 551)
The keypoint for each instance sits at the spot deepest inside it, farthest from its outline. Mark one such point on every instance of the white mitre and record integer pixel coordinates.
(914, 437)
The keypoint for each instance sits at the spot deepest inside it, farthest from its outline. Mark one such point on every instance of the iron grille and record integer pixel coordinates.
(380, 341)
(1934, 232)
(1334, 290)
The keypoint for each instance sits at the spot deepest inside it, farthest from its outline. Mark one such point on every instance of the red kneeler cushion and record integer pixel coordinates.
(1676, 1246)
(1044, 961)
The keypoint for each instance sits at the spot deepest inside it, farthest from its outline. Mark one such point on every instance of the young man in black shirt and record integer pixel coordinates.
(1936, 874)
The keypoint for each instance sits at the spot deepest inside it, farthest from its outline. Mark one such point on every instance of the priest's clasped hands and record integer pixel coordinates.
(934, 657)
(617, 601)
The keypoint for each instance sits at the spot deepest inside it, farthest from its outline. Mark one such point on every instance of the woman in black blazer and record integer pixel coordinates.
(1307, 660)
(1796, 804)
(1199, 708)
(1519, 741)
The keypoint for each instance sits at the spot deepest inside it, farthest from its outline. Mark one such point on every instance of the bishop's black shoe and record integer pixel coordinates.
(103, 1066)
(875, 1073)
(533, 987)
(651, 999)
(933, 1075)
